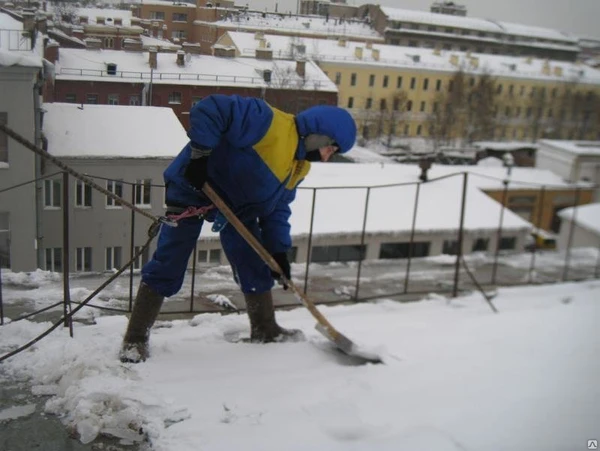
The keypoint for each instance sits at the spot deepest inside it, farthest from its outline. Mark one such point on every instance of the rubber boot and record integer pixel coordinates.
(263, 327)
(135, 347)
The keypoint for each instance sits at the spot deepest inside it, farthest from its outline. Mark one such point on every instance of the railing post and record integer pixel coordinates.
(538, 226)
(499, 232)
(310, 233)
(571, 232)
(362, 243)
(194, 257)
(460, 235)
(412, 237)
(131, 249)
(1, 302)
(66, 291)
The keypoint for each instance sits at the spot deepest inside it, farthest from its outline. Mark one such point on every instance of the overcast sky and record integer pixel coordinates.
(581, 17)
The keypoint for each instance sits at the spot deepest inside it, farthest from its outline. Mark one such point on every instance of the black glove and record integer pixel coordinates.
(196, 171)
(283, 262)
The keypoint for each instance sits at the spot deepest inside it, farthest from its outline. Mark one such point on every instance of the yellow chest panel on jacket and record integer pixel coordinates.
(278, 149)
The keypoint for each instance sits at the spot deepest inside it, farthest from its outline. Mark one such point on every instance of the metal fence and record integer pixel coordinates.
(453, 274)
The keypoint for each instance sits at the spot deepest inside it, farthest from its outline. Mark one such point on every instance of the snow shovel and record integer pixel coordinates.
(341, 342)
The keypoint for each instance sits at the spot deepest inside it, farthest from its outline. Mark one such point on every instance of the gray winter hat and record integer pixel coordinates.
(315, 142)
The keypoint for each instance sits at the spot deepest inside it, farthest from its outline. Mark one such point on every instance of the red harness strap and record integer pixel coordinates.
(191, 212)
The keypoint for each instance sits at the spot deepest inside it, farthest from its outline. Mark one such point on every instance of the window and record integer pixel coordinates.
(399, 82)
(413, 82)
(113, 258)
(422, 107)
(209, 256)
(175, 97)
(52, 193)
(353, 79)
(83, 194)
(92, 99)
(382, 104)
(179, 17)
(195, 100)
(350, 102)
(135, 99)
(178, 34)
(507, 111)
(409, 105)
(522, 91)
(450, 85)
(109, 43)
(71, 98)
(404, 250)
(115, 187)
(157, 15)
(337, 253)
(419, 129)
(481, 244)
(338, 78)
(369, 103)
(142, 259)
(438, 85)
(3, 139)
(406, 129)
(371, 80)
(450, 247)
(84, 259)
(425, 84)
(142, 192)
(113, 99)
(386, 80)
(507, 243)
(499, 89)
(511, 89)
(54, 259)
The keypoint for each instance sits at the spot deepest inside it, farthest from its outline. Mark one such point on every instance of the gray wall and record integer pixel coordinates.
(17, 99)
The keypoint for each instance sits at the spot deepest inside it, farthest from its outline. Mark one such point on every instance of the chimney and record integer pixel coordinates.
(100, 20)
(558, 71)
(28, 20)
(358, 52)
(152, 58)
(118, 21)
(375, 54)
(301, 67)
(51, 52)
(134, 45)
(192, 47)
(264, 54)
(78, 33)
(454, 60)
(259, 35)
(180, 58)
(262, 43)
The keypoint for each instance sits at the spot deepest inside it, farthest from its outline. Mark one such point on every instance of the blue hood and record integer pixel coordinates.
(327, 120)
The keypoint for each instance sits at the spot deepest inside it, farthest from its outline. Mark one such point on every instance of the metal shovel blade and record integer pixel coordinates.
(345, 345)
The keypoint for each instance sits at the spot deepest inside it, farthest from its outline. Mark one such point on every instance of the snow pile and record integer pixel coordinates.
(456, 376)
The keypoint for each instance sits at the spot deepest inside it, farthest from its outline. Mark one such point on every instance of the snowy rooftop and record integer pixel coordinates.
(586, 216)
(15, 49)
(204, 70)
(575, 147)
(414, 58)
(473, 23)
(73, 132)
(317, 25)
(164, 44)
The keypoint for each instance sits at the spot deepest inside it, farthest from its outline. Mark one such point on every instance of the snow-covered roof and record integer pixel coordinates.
(164, 44)
(202, 70)
(439, 202)
(112, 131)
(586, 216)
(167, 3)
(109, 14)
(574, 147)
(317, 25)
(536, 32)
(416, 58)
(441, 20)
